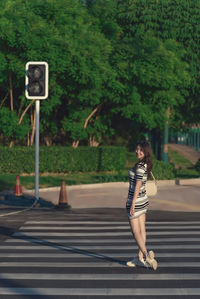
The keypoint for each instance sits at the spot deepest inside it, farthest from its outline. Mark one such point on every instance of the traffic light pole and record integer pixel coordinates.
(37, 125)
(36, 87)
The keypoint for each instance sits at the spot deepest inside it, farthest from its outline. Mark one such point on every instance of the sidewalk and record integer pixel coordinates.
(184, 196)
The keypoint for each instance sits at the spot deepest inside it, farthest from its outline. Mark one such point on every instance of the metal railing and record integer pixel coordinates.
(190, 138)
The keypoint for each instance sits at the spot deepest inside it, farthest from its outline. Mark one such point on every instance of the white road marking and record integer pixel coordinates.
(70, 276)
(58, 228)
(101, 291)
(87, 234)
(92, 265)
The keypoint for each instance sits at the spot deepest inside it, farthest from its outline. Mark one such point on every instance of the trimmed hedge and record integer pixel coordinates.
(62, 159)
(163, 171)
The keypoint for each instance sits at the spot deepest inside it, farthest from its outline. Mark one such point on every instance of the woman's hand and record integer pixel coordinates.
(132, 210)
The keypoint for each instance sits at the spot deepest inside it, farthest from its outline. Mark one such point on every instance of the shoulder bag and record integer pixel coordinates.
(151, 186)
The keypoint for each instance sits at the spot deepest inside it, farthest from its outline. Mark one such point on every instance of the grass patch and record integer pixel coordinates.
(179, 161)
(187, 173)
(7, 181)
(184, 168)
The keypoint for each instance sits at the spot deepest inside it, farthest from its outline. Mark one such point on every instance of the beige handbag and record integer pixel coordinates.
(151, 186)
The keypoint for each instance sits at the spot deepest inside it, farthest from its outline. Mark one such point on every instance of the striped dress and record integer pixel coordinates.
(142, 203)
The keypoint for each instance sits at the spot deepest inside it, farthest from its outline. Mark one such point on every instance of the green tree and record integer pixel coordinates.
(63, 34)
(109, 60)
(9, 125)
(153, 73)
(177, 20)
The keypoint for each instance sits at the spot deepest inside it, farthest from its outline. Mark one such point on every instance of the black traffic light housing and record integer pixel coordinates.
(36, 80)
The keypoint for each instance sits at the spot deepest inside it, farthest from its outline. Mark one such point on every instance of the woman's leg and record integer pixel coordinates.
(142, 225)
(139, 232)
(136, 230)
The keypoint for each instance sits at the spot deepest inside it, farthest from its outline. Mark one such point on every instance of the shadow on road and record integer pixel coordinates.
(9, 283)
(9, 232)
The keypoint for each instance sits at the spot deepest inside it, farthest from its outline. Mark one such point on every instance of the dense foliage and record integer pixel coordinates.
(116, 66)
(22, 159)
(111, 160)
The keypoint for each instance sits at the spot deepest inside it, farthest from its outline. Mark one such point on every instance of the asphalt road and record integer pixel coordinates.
(81, 253)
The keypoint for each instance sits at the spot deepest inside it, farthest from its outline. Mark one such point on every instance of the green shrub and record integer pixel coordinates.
(197, 166)
(62, 159)
(17, 160)
(163, 171)
(112, 158)
(108, 177)
(68, 159)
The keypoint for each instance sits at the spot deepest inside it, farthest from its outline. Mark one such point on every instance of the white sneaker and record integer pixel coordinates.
(151, 262)
(133, 262)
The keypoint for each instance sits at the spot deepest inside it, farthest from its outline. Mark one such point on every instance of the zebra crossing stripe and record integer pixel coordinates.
(116, 264)
(120, 241)
(56, 222)
(101, 291)
(105, 254)
(70, 276)
(52, 246)
(58, 228)
(59, 234)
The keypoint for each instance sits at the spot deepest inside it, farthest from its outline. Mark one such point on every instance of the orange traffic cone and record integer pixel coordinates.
(18, 188)
(63, 197)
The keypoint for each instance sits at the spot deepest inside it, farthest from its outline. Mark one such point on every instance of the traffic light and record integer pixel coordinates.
(36, 80)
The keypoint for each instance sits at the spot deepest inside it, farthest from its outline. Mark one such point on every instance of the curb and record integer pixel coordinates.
(160, 183)
(84, 186)
(188, 182)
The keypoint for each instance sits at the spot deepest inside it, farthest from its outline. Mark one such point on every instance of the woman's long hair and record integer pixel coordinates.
(147, 155)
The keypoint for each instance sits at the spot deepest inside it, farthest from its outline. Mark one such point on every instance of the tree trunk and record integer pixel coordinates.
(28, 139)
(11, 92)
(11, 144)
(90, 115)
(26, 109)
(75, 143)
(4, 99)
(93, 142)
(166, 137)
(31, 119)
(48, 141)
(11, 102)
(33, 128)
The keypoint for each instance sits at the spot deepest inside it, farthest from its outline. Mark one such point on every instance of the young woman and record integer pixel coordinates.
(137, 205)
